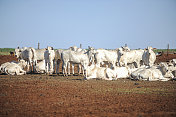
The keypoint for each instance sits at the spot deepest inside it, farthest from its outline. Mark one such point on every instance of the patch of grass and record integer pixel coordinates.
(143, 90)
(6, 51)
(164, 50)
(137, 90)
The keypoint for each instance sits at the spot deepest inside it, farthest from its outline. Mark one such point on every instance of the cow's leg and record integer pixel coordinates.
(84, 69)
(73, 71)
(34, 65)
(30, 65)
(137, 64)
(64, 67)
(58, 64)
(52, 66)
(68, 65)
(79, 68)
(46, 67)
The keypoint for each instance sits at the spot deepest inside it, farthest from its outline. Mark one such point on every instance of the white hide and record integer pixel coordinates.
(27, 54)
(49, 56)
(73, 57)
(133, 56)
(121, 72)
(40, 67)
(3, 66)
(76, 49)
(94, 71)
(21, 64)
(58, 59)
(149, 57)
(110, 56)
(14, 69)
(149, 74)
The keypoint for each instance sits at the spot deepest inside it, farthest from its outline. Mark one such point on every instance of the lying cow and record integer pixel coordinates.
(3, 66)
(94, 71)
(149, 74)
(122, 72)
(21, 63)
(40, 67)
(13, 68)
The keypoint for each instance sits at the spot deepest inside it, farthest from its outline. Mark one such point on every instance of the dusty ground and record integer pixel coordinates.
(42, 95)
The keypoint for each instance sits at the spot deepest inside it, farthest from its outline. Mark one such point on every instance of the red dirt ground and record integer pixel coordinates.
(55, 95)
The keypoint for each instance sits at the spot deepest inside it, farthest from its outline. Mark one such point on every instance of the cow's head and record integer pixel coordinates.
(17, 52)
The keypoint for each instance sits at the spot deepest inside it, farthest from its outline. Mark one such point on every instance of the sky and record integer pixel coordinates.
(107, 24)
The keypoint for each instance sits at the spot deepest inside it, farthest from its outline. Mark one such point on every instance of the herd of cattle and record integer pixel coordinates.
(120, 63)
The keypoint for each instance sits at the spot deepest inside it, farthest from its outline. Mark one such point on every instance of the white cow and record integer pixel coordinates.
(58, 59)
(102, 55)
(167, 69)
(27, 54)
(76, 49)
(150, 74)
(14, 69)
(133, 56)
(73, 57)
(149, 57)
(125, 48)
(49, 56)
(30, 54)
(3, 66)
(174, 62)
(121, 72)
(40, 67)
(39, 54)
(108, 56)
(95, 71)
(21, 63)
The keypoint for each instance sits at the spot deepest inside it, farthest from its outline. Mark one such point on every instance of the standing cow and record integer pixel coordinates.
(133, 56)
(49, 56)
(149, 57)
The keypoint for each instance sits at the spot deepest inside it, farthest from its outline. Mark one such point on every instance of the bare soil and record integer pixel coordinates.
(55, 95)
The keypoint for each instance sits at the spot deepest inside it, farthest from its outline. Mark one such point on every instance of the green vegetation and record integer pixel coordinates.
(6, 51)
(165, 50)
